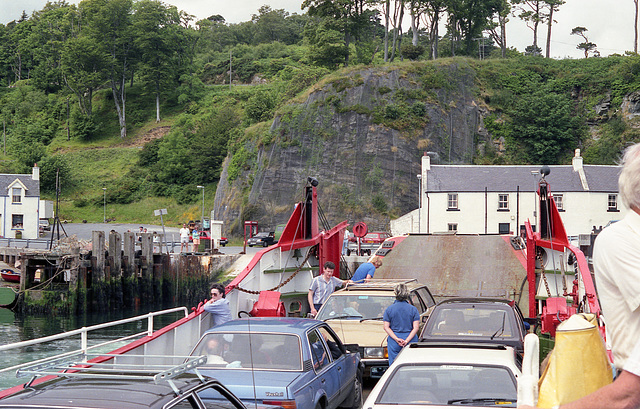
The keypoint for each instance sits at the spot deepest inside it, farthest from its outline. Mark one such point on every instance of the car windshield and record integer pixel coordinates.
(470, 321)
(354, 306)
(240, 350)
(261, 235)
(450, 384)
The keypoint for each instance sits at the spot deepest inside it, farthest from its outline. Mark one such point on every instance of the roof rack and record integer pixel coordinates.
(381, 283)
(77, 366)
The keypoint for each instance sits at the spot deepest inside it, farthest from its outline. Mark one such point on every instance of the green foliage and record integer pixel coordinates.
(544, 126)
(261, 105)
(379, 204)
(412, 52)
(52, 166)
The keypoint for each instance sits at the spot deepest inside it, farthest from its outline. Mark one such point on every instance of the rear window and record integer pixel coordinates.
(473, 321)
(257, 350)
(354, 307)
(447, 384)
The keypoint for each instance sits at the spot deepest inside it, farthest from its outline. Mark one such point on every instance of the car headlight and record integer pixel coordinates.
(375, 352)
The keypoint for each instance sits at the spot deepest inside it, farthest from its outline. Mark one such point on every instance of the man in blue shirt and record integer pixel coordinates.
(366, 270)
(218, 306)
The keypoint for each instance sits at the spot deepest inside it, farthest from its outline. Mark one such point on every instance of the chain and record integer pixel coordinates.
(285, 281)
(544, 276)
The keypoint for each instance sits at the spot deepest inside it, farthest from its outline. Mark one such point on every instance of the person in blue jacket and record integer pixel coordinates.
(401, 322)
(366, 270)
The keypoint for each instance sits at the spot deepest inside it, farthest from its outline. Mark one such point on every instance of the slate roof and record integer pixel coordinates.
(33, 186)
(508, 178)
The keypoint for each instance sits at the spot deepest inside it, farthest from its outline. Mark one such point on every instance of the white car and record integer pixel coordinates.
(445, 375)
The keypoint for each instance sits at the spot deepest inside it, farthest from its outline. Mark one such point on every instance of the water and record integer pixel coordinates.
(14, 328)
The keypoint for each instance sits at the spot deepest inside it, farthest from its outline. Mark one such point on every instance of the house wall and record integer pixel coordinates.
(582, 211)
(28, 208)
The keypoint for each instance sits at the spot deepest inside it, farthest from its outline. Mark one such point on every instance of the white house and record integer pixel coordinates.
(20, 198)
(474, 199)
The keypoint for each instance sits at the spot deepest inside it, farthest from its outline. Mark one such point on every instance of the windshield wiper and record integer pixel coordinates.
(371, 319)
(342, 316)
(469, 400)
(501, 329)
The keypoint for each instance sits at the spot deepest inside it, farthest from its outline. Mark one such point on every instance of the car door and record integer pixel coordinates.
(344, 365)
(328, 376)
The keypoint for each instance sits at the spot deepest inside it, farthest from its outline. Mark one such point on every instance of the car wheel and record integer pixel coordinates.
(223, 244)
(250, 245)
(354, 401)
(264, 244)
(319, 405)
(348, 252)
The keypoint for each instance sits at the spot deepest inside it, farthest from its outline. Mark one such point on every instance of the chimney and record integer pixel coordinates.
(577, 161)
(577, 167)
(35, 172)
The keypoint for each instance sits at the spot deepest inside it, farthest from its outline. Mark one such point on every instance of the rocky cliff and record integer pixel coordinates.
(361, 134)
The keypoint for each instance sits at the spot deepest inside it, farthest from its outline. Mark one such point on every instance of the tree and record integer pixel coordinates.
(498, 27)
(156, 28)
(586, 46)
(108, 23)
(83, 65)
(531, 12)
(326, 45)
(544, 127)
(635, 28)
(469, 18)
(552, 6)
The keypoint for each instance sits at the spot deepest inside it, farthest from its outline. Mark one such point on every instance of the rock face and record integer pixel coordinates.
(362, 136)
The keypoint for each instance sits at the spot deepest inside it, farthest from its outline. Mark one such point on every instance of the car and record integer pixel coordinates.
(445, 375)
(263, 239)
(369, 243)
(355, 314)
(205, 235)
(123, 389)
(484, 320)
(44, 224)
(296, 363)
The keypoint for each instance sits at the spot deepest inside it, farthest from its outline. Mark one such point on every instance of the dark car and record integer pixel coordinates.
(123, 389)
(263, 239)
(477, 320)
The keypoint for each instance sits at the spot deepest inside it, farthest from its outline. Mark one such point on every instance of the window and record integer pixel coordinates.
(557, 197)
(16, 221)
(612, 203)
(319, 355)
(415, 300)
(452, 201)
(503, 228)
(503, 201)
(334, 344)
(452, 227)
(16, 195)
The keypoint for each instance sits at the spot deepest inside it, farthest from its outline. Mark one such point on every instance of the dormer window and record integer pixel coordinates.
(16, 195)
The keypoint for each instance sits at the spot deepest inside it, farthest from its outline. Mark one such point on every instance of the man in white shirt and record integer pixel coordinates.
(184, 238)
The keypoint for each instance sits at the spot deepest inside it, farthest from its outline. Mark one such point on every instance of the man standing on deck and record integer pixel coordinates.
(218, 306)
(365, 271)
(616, 260)
(322, 287)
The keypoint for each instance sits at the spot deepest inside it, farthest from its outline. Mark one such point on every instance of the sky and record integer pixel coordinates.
(609, 23)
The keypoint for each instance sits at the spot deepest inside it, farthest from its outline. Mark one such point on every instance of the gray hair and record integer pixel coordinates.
(629, 181)
(401, 291)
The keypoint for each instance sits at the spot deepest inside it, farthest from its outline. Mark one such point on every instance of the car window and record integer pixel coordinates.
(354, 306)
(471, 322)
(258, 350)
(426, 297)
(319, 355)
(446, 384)
(417, 302)
(189, 402)
(334, 344)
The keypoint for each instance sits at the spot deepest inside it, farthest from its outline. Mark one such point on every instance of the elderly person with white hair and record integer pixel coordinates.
(616, 261)
(401, 322)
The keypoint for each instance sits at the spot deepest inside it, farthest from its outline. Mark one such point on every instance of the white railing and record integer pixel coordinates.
(84, 336)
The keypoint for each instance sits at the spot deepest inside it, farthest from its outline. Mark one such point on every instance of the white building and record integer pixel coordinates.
(474, 199)
(20, 202)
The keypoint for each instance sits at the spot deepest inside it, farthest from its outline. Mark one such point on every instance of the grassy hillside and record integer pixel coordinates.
(533, 107)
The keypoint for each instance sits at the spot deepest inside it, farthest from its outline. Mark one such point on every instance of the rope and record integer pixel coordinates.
(244, 290)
